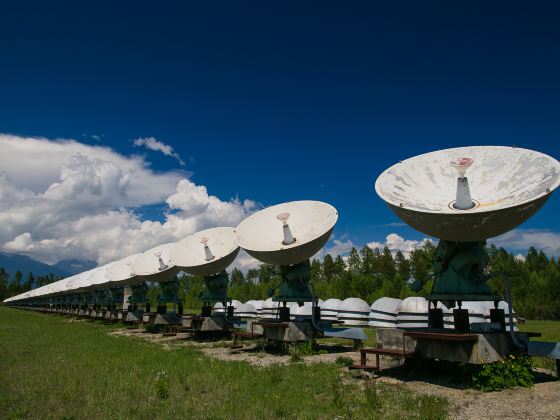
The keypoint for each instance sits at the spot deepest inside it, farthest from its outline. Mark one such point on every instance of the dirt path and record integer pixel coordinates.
(251, 355)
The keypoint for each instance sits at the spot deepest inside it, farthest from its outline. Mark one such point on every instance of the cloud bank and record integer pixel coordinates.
(522, 239)
(61, 199)
(397, 243)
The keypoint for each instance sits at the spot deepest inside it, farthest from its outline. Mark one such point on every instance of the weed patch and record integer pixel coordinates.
(508, 373)
(306, 348)
(372, 396)
(344, 361)
(161, 387)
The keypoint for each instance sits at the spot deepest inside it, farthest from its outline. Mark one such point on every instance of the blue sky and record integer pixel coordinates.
(297, 100)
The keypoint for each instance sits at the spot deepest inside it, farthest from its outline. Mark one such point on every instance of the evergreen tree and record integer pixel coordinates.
(253, 275)
(339, 266)
(354, 261)
(329, 267)
(16, 286)
(266, 272)
(387, 264)
(316, 270)
(29, 283)
(154, 291)
(237, 279)
(4, 287)
(368, 261)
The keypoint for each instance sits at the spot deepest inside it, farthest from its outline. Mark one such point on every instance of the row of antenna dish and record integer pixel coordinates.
(284, 234)
(430, 192)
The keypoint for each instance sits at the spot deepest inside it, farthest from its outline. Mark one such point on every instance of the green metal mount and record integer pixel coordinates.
(294, 286)
(102, 296)
(169, 291)
(139, 292)
(459, 272)
(117, 295)
(216, 288)
(87, 298)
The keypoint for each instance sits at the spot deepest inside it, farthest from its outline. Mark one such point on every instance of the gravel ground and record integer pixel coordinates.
(539, 402)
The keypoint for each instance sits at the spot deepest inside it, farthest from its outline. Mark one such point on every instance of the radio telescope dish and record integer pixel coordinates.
(287, 233)
(155, 264)
(39, 291)
(507, 185)
(80, 281)
(54, 287)
(58, 287)
(64, 286)
(120, 272)
(206, 252)
(46, 290)
(97, 280)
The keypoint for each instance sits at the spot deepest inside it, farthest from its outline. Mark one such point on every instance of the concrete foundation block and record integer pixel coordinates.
(168, 318)
(256, 329)
(393, 338)
(295, 331)
(210, 323)
(488, 347)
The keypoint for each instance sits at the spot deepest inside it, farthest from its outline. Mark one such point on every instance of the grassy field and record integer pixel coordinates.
(550, 329)
(51, 367)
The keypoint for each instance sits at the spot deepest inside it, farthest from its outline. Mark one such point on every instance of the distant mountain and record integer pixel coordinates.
(12, 263)
(75, 266)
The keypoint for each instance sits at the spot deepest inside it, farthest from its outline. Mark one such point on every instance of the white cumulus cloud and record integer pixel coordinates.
(393, 241)
(334, 248)
(397, 243)
(523, 239)
(340, 247)
(35, 163)
(71, 200)
(244, 262)
(154, 144)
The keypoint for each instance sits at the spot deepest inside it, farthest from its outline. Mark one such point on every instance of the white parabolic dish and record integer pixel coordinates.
(149, 267)
(120, 272)
(310, 222)
(59, 286)
(97, 279)
(190, 256)
(80, 281)
(507, 184)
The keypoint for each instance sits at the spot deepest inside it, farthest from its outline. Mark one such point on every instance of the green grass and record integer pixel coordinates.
(550, 329)
(53, 368)
(370, 342)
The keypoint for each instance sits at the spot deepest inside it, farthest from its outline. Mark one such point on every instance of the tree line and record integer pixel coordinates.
(373, 273)
(369, 274)
(19, 285)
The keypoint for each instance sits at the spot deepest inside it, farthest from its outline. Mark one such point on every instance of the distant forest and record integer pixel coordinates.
(370, 274)
(373, 273)
(20, 285)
